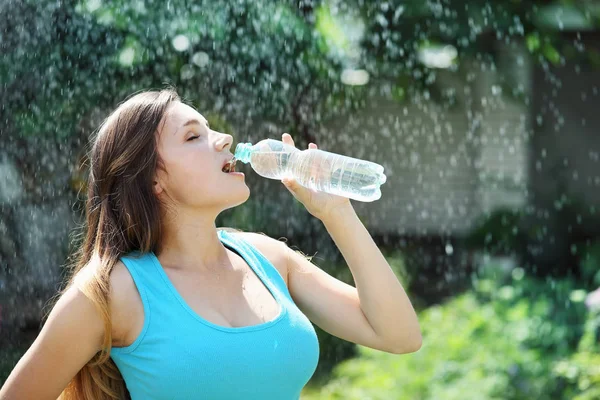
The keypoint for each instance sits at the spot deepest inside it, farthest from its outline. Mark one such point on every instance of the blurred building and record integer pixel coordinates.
(448, 161)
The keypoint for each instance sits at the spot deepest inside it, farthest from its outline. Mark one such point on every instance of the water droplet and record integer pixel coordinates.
(449, 249)
(181, 43)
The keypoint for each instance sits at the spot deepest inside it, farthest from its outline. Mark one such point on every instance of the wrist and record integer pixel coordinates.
(340, 212)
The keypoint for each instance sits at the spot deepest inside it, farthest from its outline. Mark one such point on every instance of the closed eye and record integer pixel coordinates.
(192, 138)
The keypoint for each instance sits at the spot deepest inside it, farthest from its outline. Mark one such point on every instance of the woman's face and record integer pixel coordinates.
(193, 157)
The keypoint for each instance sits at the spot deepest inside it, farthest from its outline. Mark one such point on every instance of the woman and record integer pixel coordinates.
(163, 305)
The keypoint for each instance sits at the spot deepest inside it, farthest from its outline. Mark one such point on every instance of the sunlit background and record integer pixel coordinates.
(485, 115)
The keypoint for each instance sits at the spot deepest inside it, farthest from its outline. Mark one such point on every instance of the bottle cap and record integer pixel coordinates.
(242, 152)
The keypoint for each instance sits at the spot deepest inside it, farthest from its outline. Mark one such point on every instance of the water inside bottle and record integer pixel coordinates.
(322, 171)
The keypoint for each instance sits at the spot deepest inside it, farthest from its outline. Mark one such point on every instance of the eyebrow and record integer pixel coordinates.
(193, 122)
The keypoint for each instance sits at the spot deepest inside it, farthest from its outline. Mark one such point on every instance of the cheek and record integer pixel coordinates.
(190, 178)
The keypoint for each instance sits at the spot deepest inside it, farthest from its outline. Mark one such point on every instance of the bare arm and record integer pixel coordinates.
(71, 336)
(380, 295)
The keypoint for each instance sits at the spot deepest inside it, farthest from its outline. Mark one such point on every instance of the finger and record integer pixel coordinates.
(312, 146)
(290, 185)
(287, 138)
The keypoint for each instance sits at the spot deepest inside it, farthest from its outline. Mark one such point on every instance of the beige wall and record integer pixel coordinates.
(445, 166)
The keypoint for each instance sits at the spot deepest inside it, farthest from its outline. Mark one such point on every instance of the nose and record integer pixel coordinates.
(224, 141)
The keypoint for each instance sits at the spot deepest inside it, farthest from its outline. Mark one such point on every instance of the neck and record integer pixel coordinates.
(189, 241)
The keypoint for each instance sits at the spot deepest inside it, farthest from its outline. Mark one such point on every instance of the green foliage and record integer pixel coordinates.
(525, 234)
(582, 369)
(273, 56)
(546, 315)
(511, 337)
(590, 264)
(256, 58)
(497, 232)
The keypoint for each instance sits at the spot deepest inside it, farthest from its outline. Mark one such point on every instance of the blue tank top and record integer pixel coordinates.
(180, 355)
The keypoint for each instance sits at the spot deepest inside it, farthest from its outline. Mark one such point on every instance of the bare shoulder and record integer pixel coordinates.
(127, 309)
(274, 250)
(71, 336)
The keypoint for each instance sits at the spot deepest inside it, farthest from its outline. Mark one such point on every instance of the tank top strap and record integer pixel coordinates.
(144, 277)
(261, 263)
(145, 274)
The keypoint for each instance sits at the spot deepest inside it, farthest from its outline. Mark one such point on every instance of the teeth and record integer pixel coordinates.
(229, 167)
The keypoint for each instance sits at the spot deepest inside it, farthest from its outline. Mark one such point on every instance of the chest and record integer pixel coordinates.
(234, 299)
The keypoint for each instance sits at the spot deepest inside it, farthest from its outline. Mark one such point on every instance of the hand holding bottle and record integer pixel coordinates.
(318, 204)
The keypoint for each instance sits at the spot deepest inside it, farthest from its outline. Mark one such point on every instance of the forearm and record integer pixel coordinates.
(383, 300)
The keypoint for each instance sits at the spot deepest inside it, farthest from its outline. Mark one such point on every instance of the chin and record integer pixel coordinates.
(237, 198)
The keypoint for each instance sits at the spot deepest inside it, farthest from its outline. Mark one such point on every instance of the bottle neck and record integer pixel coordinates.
(243, 152)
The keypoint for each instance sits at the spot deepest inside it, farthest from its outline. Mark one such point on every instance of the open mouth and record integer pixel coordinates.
(229, 166)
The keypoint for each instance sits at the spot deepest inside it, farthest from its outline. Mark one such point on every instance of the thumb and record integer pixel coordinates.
(289, 183)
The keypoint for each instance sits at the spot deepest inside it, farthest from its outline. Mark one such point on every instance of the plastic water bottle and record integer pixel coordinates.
(315, 169)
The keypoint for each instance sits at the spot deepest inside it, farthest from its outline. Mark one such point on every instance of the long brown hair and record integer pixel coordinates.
(122, 215)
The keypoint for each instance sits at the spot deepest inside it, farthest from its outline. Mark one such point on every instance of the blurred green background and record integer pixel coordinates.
(484, 115)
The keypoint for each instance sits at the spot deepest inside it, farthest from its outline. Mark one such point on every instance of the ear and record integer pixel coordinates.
(157, 187)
